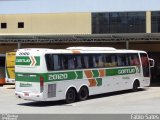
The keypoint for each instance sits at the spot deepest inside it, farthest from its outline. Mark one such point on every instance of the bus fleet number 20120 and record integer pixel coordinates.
(57, 76)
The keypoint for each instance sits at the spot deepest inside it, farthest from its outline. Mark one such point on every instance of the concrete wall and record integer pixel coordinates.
(66, 23)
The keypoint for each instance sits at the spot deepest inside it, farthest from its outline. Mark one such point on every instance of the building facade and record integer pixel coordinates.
(81, 23)
(84, 23)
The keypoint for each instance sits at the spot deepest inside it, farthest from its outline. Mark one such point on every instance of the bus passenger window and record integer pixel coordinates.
(122, 60)
(64, 62)
(134, 60)
(49, 61)
(86, 59)
(91, 61)
(94, 62)
(71, 62)
(53, 62)
(57, 62)
(78, 61)
(99, 59)
(111, 61)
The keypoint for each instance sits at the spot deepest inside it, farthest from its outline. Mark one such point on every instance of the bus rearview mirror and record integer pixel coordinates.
(151, 62)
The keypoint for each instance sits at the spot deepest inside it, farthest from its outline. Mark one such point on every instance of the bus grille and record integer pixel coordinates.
(51, 90)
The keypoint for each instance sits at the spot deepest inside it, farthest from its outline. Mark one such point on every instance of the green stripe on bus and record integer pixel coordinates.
(99, 81)
(73, 75)
(120, 71)
(95, 73)
(80, 74)
(28, 60)
(49, 77)
(27, 78)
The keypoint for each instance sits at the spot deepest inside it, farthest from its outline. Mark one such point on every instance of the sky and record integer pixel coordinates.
(61, 6)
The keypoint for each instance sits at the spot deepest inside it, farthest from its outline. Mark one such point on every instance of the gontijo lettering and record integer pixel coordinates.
(23, 60)
(126, 71)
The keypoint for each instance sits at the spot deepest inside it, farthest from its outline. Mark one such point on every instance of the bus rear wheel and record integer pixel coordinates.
(71, 95)
(83, 93)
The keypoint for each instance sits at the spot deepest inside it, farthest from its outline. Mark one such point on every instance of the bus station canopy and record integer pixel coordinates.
(52, 38)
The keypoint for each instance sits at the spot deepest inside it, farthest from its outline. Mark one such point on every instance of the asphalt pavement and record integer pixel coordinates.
(146, 100)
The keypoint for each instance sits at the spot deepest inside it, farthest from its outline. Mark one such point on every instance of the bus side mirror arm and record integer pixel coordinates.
(151, 62)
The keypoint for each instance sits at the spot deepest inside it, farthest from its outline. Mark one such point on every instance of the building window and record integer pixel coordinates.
(20, 24)
(118, 22)
(100, 23)
(3, 25)
(155, 21)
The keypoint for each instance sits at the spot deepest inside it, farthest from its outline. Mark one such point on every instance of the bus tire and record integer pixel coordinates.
(135, 86)
(71, 95)
(83, 93)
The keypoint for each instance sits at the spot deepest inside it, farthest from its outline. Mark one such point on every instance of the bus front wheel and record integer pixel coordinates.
(71, 95)
(135, 86)
(83, 93)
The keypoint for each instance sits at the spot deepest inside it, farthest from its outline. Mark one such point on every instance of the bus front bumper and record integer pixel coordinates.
(30, 96)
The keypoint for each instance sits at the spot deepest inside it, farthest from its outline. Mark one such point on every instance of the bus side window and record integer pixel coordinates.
(94, 62)
(134, 60)
(107, 61)
(49, 61)
(90, 61)
(68, 62)
(99, 61)
(71, 62)
(78, 61)
(85, 59)
(53, 62)
(122, 60)
(57, 62)
(114, 60)
(110, 60)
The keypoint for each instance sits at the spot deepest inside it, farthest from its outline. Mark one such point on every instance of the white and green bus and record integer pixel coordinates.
(77, 72)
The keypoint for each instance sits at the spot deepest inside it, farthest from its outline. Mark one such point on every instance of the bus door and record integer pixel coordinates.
(145, 68)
